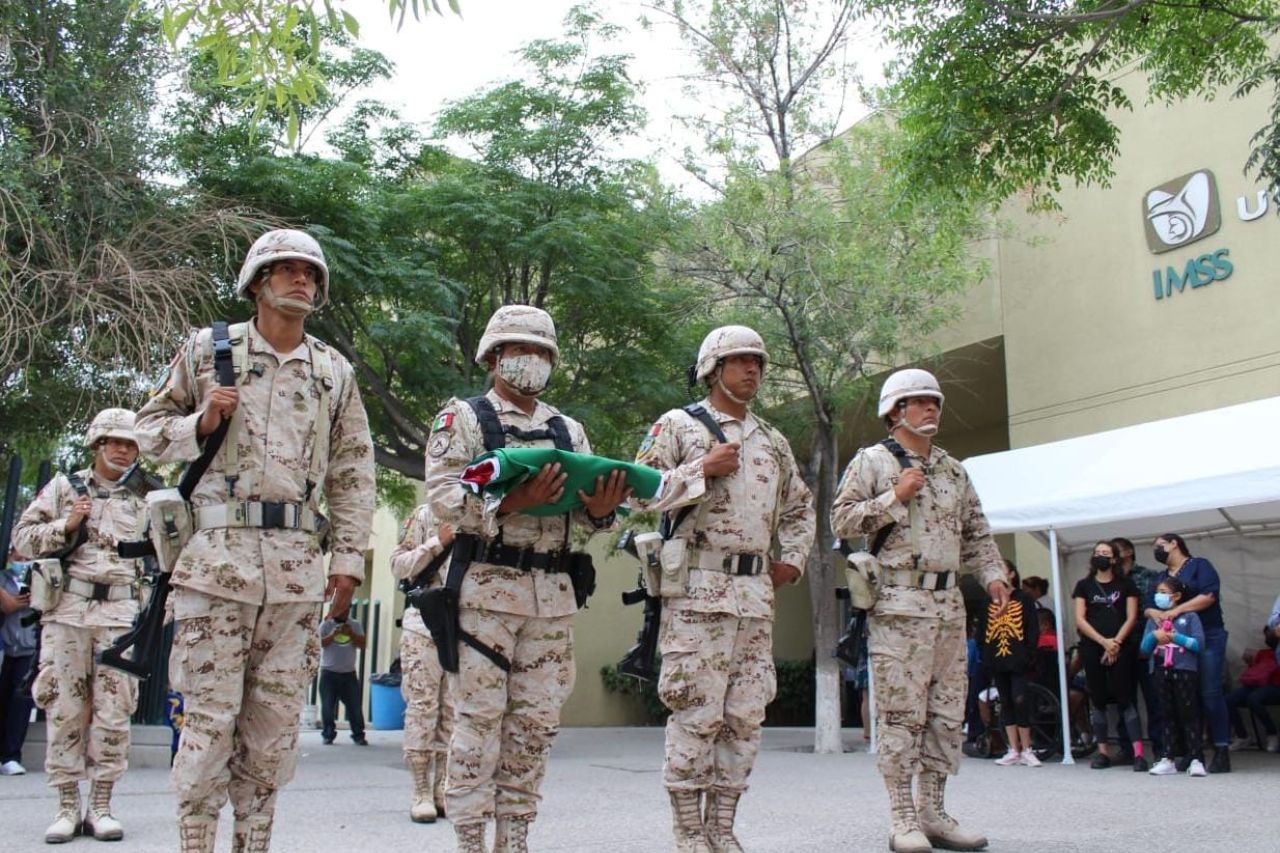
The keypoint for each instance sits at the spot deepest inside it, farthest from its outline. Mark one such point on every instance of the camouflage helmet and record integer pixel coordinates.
(110, 423)
(284, 244)
(724, 342)
(912, 382)
(519, 324)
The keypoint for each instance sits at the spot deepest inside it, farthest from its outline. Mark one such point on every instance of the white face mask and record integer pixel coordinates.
(528, 374)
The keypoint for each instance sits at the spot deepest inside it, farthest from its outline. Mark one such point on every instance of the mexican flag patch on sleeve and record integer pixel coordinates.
(445, 421)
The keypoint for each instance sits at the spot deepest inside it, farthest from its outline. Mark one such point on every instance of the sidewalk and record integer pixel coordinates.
(604, 793)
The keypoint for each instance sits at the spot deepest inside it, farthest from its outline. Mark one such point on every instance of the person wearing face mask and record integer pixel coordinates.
(87, 705)
(917, 627)
(249, 585)
(1106, 609)
(1204, 589)
(728, 498)
(1173, 647)
(516, 597)
(1145, 580)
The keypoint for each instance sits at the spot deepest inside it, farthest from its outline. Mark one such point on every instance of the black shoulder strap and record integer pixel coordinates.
(559, 432)
(226, 372)
(490, 426)
(669, 524)
(81, 489)
(904, 459)
(429, 571)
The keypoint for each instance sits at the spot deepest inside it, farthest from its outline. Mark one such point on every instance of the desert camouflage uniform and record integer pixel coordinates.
(505, 722)
(916, 636)
(428, 695)
(247, 600)
(717, 640)
(87, 706)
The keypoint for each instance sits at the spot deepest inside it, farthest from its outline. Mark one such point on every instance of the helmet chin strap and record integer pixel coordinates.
(111, 466)
(283, 304)
(724, 389)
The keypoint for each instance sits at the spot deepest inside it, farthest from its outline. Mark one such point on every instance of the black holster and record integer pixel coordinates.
(582, 574)
(440, 608)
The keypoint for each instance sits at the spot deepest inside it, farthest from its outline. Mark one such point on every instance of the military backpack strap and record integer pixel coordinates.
(81, 489)
(697, 411)
(490, 426)
(224, 369)
(913, 510)
(669, 524)
(559, 430)
(322, 373)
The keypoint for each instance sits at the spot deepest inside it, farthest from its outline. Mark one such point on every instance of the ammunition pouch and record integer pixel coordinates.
(169, 525)
(863, 575)
(48, 582)
(673, 580)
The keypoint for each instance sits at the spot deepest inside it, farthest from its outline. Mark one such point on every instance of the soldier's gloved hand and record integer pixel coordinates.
(910, 482)
(79, 512)
(340, 588)
(721, 460)
(219, 406)
(546, 487)
(999, 592)
(782, 573)
(608, 495)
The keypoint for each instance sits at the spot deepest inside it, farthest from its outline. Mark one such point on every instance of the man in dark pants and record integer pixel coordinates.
(17, 648)
(340, 639)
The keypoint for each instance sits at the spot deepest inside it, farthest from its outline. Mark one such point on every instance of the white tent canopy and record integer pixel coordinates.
(1187, 475)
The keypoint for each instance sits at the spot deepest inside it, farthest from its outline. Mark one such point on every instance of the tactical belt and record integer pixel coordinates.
(101, 591)
(268, 515)
(741, 565)
(933, 581)
(524, 559)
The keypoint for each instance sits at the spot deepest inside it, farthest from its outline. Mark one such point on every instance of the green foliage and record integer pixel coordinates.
(646, 692)
(791, 706)
(1002, 98)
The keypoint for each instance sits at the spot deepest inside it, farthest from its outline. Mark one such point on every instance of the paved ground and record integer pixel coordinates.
(603, 793)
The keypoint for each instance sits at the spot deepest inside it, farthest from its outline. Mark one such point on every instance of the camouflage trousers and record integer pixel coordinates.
(87, 706)
(428, 695)
(243, 672)
(918, 667)
(717, 678)
(506, 722)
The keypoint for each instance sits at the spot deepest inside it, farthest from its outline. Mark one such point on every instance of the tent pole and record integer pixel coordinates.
(1065, 697)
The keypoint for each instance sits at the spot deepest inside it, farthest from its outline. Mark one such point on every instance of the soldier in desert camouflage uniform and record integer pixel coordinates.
(427, 689)
(717, 638)
(515, 599)
(916, 633)
(87, 706)
(249, 585)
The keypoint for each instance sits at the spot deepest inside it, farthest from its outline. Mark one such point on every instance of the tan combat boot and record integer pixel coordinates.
(905, 836)
(98, 821)
(439, 770)
(252, 834)
(686, 815)
(470, 837)
(512, 835)
(721, 809)
(942, 830)
(423, 809)
(196, 833)
(66, 825)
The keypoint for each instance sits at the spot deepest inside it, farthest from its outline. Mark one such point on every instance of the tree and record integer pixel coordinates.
(998, 96)
(839, 267)
(100, 266)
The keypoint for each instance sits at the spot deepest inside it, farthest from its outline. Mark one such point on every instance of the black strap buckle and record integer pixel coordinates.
(743, 565)
(273, 515)
(940, 581)
(101, 592)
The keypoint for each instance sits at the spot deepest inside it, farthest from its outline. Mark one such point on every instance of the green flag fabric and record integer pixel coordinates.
(499, 471)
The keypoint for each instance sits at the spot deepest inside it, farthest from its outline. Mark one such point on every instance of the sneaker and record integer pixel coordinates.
(1140, 764)
(1029, 759)
(1221, 761)
(1196, 768)
(1165, 767)
(1273, 743)
(12, 768)
(1100, 762)
(1242, 743)
(1010, 758)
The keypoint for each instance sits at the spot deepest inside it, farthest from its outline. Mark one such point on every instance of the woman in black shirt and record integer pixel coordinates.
(1107, 620)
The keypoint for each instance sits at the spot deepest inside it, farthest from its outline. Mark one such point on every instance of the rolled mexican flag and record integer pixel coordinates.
(499, 471)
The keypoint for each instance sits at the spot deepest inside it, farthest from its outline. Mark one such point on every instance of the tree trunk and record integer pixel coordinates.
(822, 584)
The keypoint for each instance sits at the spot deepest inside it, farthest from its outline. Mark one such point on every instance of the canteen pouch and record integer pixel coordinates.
(862, 574)
(673, 581)
(47, 579)
(169, 525)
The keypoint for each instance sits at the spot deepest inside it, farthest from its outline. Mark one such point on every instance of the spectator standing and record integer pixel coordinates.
(18, 643)
(1038, 588)
(1009, 637)
(1145, 580)
(1173, 646)
(1203, 591)
(1106, 606)
(340, 641)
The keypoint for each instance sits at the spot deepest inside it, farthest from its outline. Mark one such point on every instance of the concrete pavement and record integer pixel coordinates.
(603, 793)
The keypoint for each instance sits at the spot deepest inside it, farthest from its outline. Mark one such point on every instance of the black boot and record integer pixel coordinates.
(1221, 762)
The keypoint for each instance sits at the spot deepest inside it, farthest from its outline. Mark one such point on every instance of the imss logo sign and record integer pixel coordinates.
(1182, 211)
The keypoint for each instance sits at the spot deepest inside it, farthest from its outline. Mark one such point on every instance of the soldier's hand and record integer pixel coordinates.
(782, 573)
(339, 589)
(910, 482)
(79, 512)
(721, 460)
(445, 534)
(999, 592)
(546, 487)
(219, 406)
(608, 494)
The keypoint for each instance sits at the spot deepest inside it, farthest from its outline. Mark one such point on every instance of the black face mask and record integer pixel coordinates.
(1161, 554)
(1100, 563)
